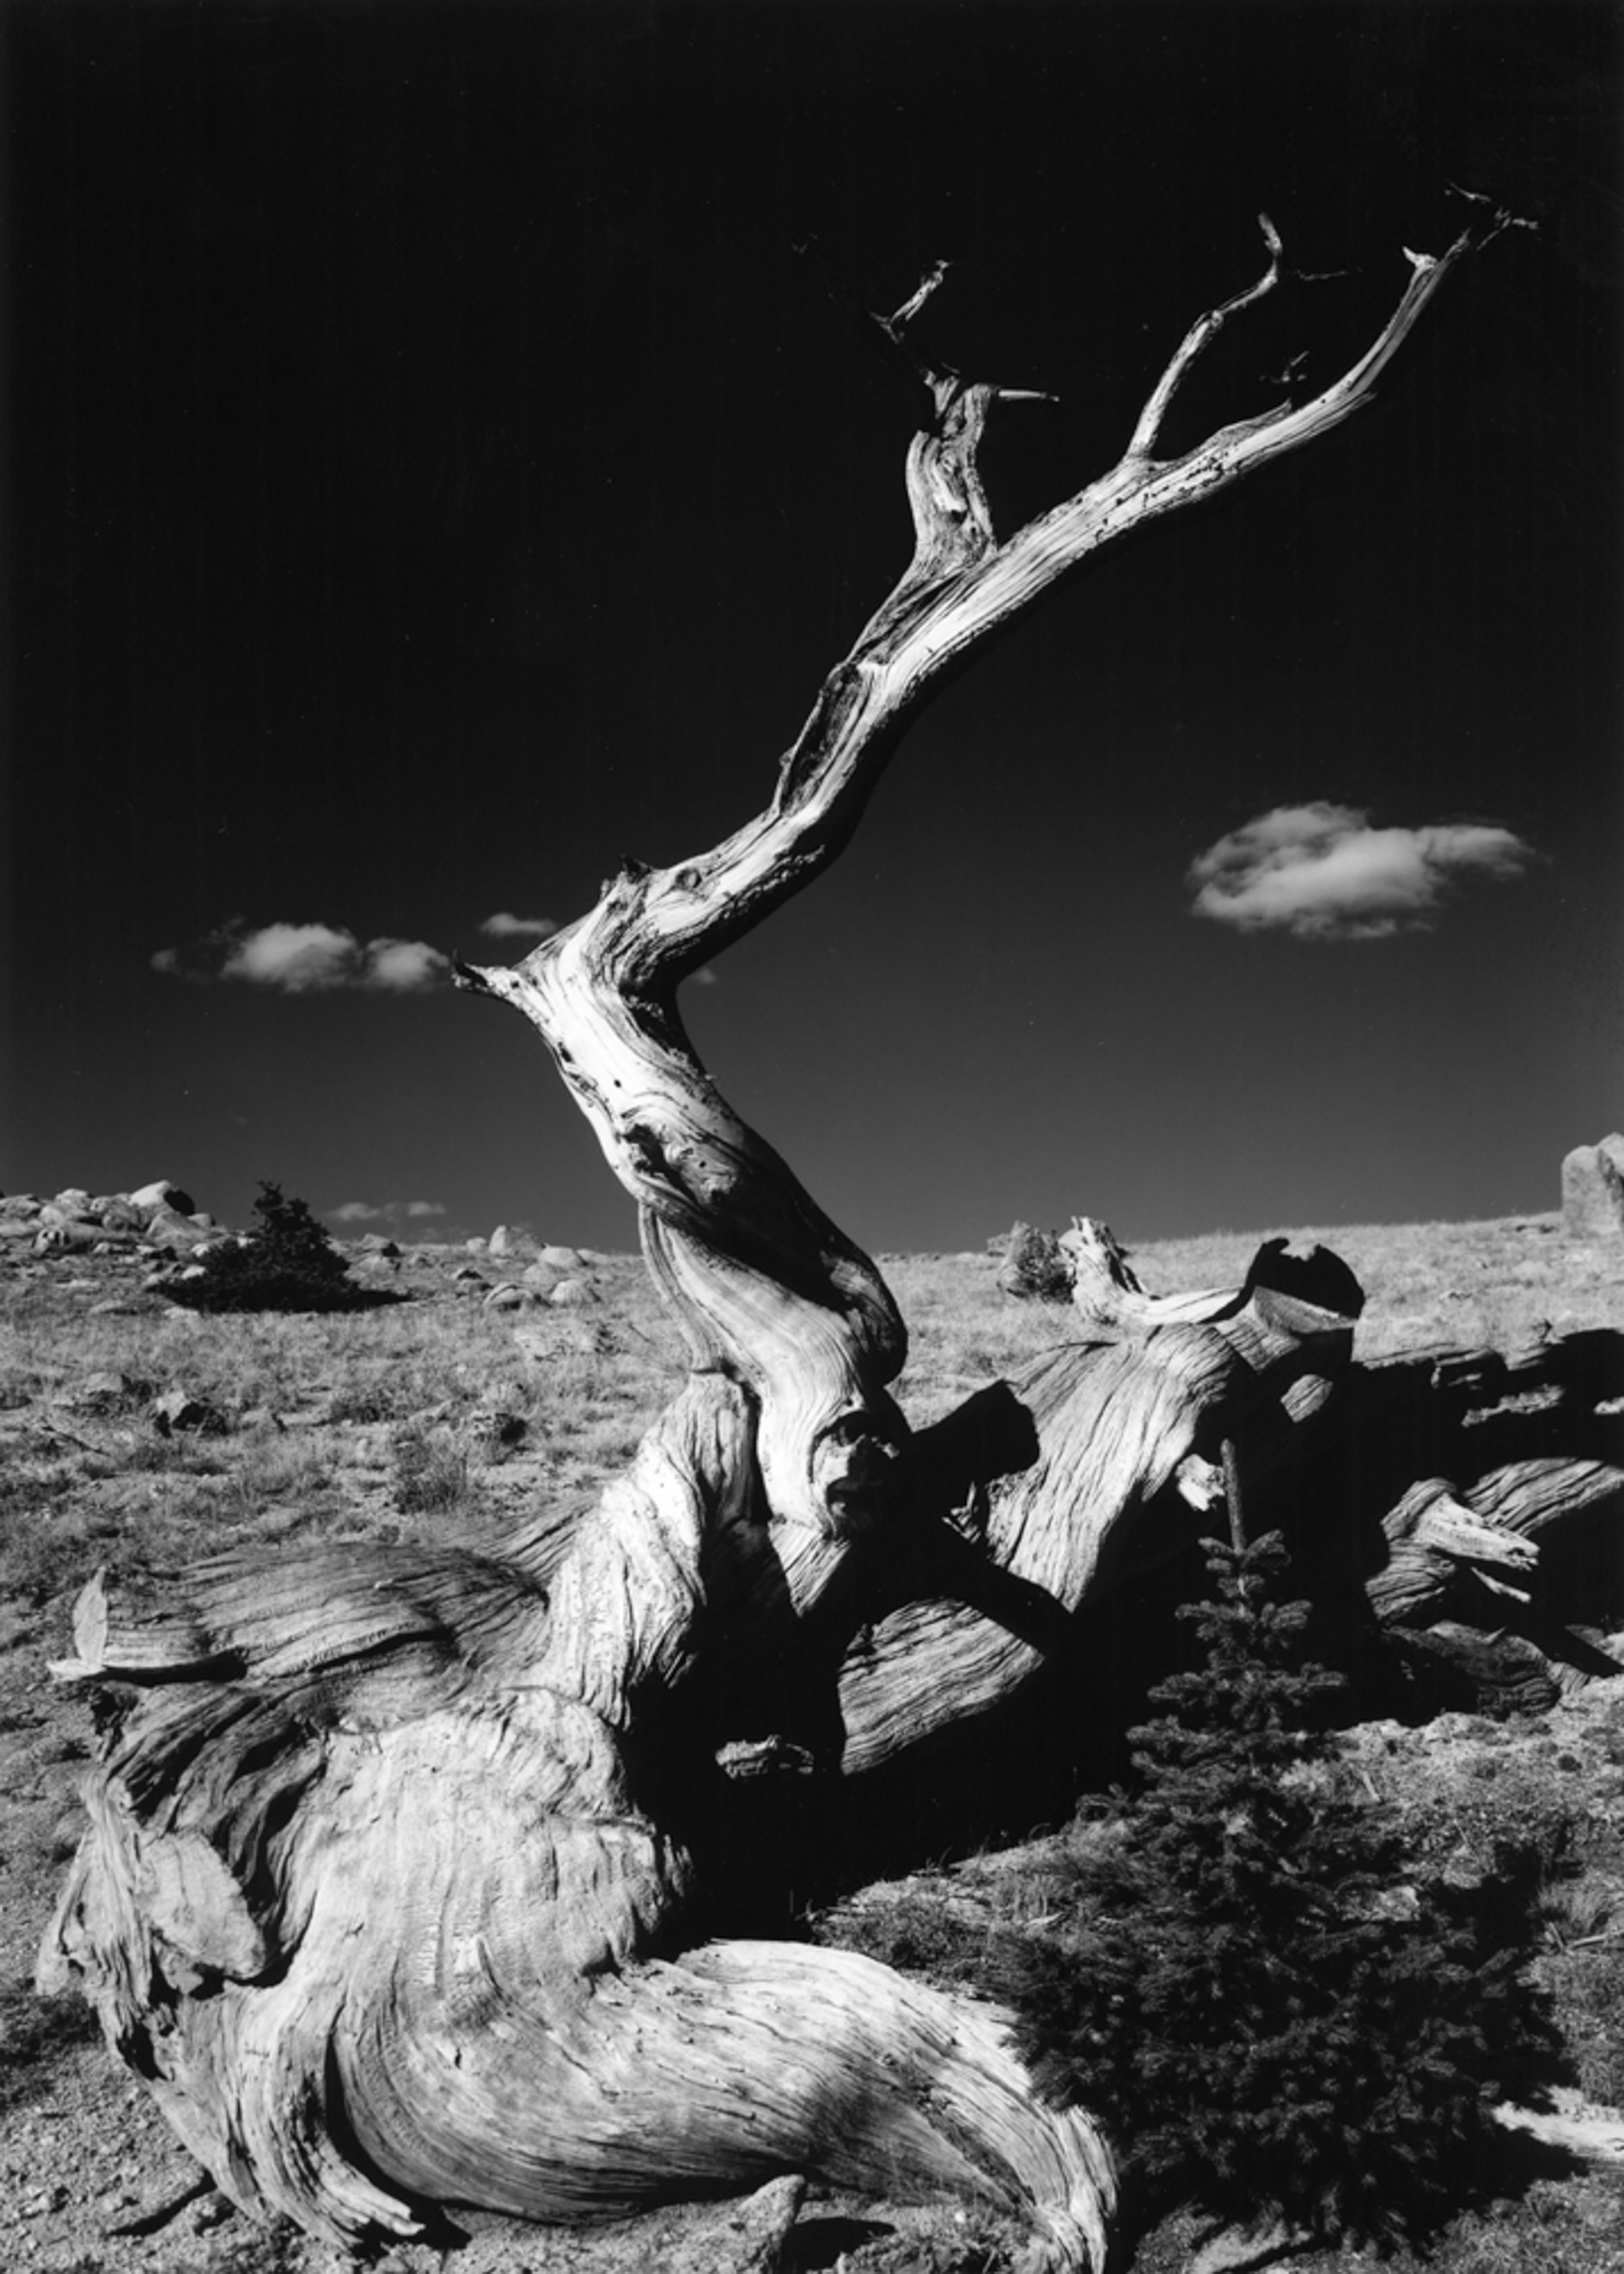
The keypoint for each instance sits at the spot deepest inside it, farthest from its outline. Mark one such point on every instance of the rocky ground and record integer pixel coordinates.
(133, 1431)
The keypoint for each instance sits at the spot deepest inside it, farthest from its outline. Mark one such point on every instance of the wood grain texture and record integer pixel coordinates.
(390, 1878)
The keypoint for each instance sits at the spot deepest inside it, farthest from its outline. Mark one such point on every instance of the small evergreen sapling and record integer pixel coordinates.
(290, 1264)
(1275, 2022)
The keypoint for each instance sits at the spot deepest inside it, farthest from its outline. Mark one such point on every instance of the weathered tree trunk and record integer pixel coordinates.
(391, 1890)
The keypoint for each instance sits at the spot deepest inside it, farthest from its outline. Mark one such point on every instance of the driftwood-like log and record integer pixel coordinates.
(392, 1888)
(385, 1894)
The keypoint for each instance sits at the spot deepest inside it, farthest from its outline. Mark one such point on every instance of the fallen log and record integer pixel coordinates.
(392, 1891)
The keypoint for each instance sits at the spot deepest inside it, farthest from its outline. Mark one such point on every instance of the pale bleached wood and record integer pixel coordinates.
(386, 1916)
(388, 1888)
(1442, 1545)
(762, 1281)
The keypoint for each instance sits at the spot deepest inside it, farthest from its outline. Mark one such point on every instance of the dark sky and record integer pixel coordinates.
(435, 473)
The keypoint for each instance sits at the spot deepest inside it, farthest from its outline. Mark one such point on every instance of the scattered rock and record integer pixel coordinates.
(60, 1237)
(162, 1194)
(498, 1425)
(571, 1293)
(178, 1410)
(166, 1228)
(1593, 1191)
(507, 1297)
(562, 1259)
(67, 1209)
(467, 1277)
(475, 1246)
(378, 1243)
(1239, 2249)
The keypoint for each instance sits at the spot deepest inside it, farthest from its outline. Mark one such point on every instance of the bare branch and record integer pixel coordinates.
(897, 324)
(769, 1287)
(1200, 336)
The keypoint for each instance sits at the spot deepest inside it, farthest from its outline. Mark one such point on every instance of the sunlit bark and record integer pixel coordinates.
(391, 1890)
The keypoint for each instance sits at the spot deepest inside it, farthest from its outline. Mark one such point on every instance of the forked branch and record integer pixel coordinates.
(768, 1287)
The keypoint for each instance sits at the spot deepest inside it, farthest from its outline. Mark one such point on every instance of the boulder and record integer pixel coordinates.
(55, 1239)
(570, 1294)
(166, 1228)
(116, 1215)
(561, 1259)
(378, 1243)
(509, 1297)
(1593, 1191)
(178, 1409)
(162, 1194)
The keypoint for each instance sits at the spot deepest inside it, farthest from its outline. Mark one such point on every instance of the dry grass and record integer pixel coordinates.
(437, 1418)
(1499, 1283)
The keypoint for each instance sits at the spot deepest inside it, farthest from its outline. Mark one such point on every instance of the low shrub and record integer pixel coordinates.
(288, 1264)
(1273, 2014)
(430, 1474)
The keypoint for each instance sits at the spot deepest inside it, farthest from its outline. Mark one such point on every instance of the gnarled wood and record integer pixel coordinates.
(410, 1877)
(392, 1888)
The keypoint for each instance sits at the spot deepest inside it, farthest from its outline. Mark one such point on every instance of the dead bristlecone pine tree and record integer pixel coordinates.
(397, 1889)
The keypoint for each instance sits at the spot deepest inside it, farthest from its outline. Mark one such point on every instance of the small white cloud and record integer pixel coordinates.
(404, 967)
(387, 1212)
(302, 958)
(503, 926)
(1320, 871)
(295, 957)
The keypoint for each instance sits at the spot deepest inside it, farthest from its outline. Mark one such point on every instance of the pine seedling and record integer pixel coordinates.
(1276, 2020)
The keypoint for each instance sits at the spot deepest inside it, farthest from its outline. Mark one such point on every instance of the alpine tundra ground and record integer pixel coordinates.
(137, 1434)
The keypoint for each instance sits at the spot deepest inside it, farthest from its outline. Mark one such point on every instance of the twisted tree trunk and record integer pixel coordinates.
(392, 1889)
